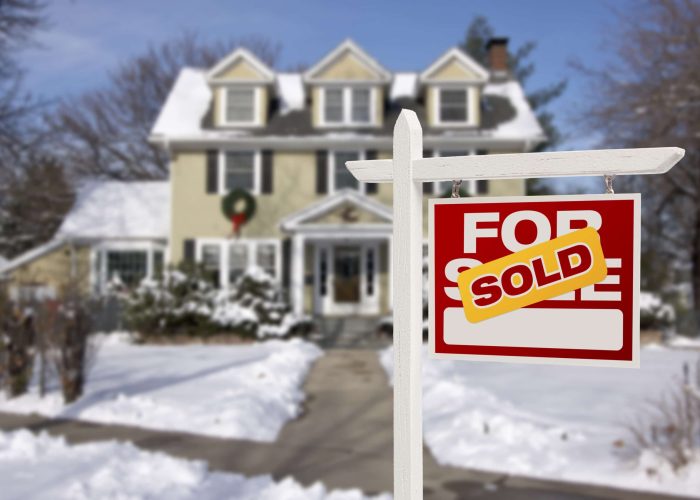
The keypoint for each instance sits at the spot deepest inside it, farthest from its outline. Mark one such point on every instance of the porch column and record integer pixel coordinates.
(297, 275)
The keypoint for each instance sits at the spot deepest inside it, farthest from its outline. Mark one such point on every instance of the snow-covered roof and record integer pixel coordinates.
(404, 85)
(185, 106)
(290, 89)
(525, 124)
(119, 210)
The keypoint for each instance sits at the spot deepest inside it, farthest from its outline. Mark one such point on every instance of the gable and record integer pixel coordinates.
(347, 213)
(347, 62)
(453, 70)
(348, 67)
(240, 70)
(455, 66)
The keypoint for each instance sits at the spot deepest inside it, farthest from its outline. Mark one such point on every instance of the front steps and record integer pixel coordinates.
(349, 332)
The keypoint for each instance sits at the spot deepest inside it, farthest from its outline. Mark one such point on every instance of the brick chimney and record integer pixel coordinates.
(498, 55)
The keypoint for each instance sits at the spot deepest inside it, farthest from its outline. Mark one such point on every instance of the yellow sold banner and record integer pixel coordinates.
(537, 273)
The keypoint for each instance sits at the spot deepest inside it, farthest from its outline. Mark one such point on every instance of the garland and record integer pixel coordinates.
(228, 208)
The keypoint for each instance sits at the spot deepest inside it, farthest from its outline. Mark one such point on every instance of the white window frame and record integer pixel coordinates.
(469, 185)
(251, 245)
(347, 106)
(223, 104)
(257, 169)
(471, 111)
(99, 278)
(362, 154)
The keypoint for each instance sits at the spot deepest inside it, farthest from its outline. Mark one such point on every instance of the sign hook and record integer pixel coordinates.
(455, 188)
(609, 183)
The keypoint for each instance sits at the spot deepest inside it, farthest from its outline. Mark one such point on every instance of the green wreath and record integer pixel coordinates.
(228, 207)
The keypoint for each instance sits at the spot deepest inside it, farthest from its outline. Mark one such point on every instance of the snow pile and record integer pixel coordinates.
(557, 422)
(525, 124)
(290, 89)
(244, 391)
(404, 86)
(38, 467)
(185, 106)
(115, 209)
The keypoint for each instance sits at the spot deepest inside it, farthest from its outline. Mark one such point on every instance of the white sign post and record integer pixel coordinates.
(408, 170)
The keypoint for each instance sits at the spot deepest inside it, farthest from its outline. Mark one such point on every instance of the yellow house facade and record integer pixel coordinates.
(284, 138)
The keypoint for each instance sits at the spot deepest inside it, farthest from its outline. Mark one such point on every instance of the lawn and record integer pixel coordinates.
(244, 391)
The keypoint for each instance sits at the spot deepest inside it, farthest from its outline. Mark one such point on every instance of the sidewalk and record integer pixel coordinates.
(344, 439)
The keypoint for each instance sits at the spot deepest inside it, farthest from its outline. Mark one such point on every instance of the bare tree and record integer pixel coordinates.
(649, 95)
(104, 132)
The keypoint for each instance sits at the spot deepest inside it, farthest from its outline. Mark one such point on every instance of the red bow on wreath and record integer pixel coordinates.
(238, 217)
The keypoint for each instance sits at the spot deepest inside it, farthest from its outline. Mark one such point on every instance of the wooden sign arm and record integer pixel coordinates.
(523, 165)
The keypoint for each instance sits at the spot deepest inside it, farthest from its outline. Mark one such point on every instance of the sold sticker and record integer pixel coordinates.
(539, 272)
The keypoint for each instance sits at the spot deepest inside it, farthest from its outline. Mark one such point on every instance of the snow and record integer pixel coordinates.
(185, 106)
(36, 467)
(113, 209)
(684, 342)
(554, 422)
(242, 391)
(524, 125)
(290, 89)
(404, 86)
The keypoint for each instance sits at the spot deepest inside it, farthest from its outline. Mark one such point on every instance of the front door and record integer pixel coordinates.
(346, 278)
(346, 274)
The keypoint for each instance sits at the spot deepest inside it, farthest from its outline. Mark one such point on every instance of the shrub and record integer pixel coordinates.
(654, 314)
(184, 302)
(16, 337)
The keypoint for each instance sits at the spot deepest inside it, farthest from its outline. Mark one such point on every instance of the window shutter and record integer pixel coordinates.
(267, 172)
(212, 171)
(482, 185)
(321, 172)
(188, 252)
(371, 187)
(428, 186)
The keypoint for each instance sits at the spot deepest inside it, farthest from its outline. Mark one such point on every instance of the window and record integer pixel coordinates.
(342, 176)
(334, 105)
(129, 267)
(240, 105)
(237, 261)
(323, 273)
(370, 271)
(347, 106)
(211, 263)
(453, 105)
(240, 170)
(266, 258)
(360, 105)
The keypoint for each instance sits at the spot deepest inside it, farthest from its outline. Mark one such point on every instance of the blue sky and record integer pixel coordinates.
(86, 38)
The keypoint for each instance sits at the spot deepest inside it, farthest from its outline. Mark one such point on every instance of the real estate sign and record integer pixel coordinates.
(551, 279)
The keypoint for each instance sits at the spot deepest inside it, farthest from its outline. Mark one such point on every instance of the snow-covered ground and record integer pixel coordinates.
(236, 391)
(549, 421)
(39, 467)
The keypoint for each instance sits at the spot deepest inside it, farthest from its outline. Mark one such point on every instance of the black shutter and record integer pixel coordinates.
(428, 186)
(188, 252)
(267, 172)
(321, 172)
(482, 185)
(372, 187)
(212, 171)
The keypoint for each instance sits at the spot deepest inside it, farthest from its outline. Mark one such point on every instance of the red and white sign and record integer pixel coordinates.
(594, 325)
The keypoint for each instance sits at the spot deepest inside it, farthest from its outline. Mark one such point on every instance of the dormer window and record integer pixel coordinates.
(240, 105)
(347, 106)
(453, 105)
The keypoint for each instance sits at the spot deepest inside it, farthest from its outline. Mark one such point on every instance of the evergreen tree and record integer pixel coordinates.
(478, 34)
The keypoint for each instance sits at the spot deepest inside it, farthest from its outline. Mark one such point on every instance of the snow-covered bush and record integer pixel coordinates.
(669, 432)
(184, 302)
(654, 313)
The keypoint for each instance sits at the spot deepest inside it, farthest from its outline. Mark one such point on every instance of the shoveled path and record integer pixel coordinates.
(344, 439)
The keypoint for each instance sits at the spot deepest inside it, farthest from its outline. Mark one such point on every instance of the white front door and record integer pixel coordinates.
(347, 280)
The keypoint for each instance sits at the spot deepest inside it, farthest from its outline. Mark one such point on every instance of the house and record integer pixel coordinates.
(285, 138)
